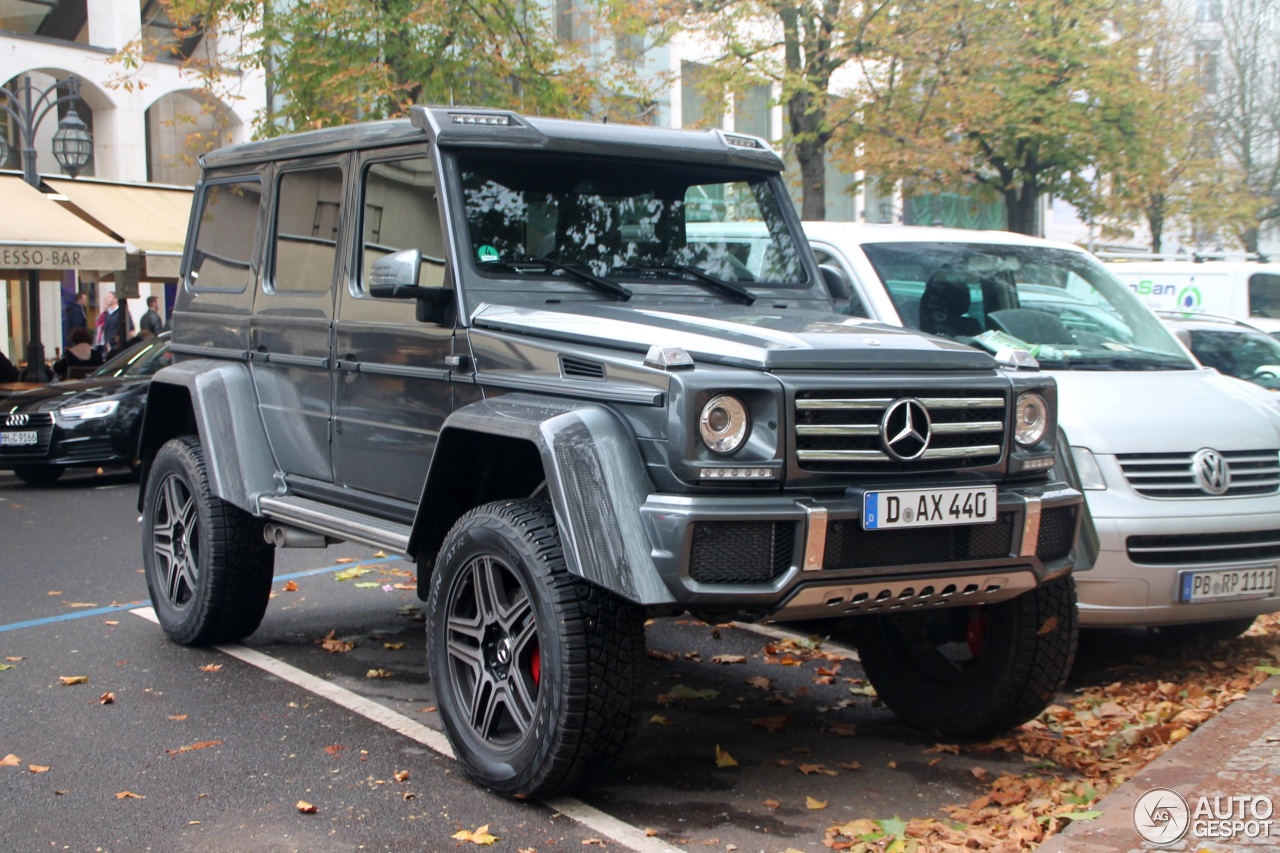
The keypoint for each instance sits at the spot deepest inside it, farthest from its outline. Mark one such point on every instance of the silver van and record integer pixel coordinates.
(1180, 465)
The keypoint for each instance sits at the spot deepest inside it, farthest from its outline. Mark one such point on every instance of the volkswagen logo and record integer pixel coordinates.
(17, 420)
(1211, 471)
(905, 429)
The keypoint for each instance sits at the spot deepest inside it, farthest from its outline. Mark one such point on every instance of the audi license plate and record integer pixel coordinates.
(928, 507)
(1232, 584)
(18, 439)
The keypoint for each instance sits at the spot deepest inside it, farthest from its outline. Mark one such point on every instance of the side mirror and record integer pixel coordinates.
(838, 284)
(396, 276)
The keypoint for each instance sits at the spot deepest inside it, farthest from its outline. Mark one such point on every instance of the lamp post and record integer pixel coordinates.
(72, 148)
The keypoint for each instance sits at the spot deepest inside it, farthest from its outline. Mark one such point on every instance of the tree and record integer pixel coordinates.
(338, 61)
(1018, 98)
(800, 46)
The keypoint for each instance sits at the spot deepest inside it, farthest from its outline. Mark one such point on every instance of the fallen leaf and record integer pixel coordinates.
(15, 658)
(68, 680)
(333, 644)
(290, 586)
(773, 804)
(55, 592)
(334, 748)
(4, 666)
(80, 604)
(892, 765)
(37, 768)
(850, 765)
(772, 724)
(933, 761)
(727, 659)
(306, 808)
(177, 718)
(724, 759)
(811, 803)
(978, 772)
(110, 621)
(129, 795)
(479, 836)
(367, 585)
(395, 647)
(345, 560)
(10, 760)
(401, 775)
(1049, 625)
(405, 586)
(681, 691)
(840, 729)
(940, 748)
(192, 747)
(211, 667)
(592, 842)
(810, 769)
(351, 573)
(659, 720)
(107, 698)
(378, 673)
(430, 709)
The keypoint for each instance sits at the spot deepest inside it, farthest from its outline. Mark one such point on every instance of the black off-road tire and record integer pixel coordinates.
(930, 672)
(547, 660)
(38, 475)
(208, 568)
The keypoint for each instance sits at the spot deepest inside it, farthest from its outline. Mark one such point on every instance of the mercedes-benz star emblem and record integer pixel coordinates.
(905, 429)
(1211, 471)
(17, 420)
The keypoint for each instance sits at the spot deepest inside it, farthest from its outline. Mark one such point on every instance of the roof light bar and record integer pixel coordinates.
(743, 141)
(480, 118)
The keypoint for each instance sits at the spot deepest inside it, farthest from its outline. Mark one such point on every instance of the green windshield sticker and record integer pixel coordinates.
(487, 254)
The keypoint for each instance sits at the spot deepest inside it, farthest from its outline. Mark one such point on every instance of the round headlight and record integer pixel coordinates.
(1031, 419)
(724, 424)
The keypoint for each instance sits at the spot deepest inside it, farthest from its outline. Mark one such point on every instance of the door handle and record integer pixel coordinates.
(347, 363)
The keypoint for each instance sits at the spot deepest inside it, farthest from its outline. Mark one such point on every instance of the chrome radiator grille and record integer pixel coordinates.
(842, 431)
(1172, 475)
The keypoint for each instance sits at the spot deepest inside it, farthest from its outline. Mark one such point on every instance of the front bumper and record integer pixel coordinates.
(1119, 591)
(793, 557)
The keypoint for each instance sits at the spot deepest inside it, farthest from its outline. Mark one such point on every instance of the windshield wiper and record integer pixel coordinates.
(611, 288)
(728, 288)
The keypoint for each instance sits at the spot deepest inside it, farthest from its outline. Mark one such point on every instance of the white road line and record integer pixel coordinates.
(589, 816)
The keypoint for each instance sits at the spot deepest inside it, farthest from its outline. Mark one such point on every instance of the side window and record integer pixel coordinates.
(854, 307)
(400, 212)
(308, 206)
(1264, 295)
(226, 231)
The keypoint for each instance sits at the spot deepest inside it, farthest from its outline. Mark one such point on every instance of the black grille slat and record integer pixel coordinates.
(864, 452)
(572, 367)
(750, 552)
(1189, 548)
(849, 546)
(1057, 533)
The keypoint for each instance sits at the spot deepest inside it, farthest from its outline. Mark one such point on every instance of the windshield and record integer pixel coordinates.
(1242, 354)
(141, 359)
(1062, 307)
(634, 222)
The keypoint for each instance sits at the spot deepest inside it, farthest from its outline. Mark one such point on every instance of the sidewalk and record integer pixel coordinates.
(1237, 753)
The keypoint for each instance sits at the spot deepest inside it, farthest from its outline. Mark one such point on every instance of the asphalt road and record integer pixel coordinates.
(220, 745)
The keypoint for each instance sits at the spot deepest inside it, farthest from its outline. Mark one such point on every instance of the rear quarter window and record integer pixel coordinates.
(226, 233)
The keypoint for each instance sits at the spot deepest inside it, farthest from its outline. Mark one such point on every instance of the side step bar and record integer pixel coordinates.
(335, 522)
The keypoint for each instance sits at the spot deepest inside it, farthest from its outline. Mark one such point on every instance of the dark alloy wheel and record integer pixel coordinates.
(208, 568)
(39, 475)
(533, 667)
(973, 671)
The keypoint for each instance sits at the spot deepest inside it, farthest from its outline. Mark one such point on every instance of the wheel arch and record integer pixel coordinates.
(594, 475)
(213, 400)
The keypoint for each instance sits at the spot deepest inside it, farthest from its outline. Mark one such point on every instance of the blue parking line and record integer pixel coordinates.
(116, 608)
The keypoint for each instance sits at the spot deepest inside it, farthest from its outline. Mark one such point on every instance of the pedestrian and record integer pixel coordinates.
(117, 327)
(79, 355)
(152, 321)
(77, 317)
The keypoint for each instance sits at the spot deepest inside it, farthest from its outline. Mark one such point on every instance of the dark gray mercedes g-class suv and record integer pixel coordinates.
(540, 358)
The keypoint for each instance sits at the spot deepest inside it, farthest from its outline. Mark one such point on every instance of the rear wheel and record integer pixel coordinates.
(971, 671)
(533, 667)
(208, 568)
(38, 475)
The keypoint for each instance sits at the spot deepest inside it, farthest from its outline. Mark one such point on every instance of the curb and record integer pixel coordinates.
(1236, 752)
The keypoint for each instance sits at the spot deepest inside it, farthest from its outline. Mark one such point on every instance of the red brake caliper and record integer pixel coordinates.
(976, 632)
(535, 664)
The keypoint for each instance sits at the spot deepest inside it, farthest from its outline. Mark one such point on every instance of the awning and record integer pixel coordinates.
(39, 234)
(152, 220)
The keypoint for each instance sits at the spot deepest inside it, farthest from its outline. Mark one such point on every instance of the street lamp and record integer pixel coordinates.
(72, 148)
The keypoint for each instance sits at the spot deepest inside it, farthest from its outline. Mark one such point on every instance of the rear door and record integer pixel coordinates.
(290, 333)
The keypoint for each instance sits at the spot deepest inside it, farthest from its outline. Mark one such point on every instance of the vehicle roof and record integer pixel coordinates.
(487, 128)
(1147, 267)
(862, 232)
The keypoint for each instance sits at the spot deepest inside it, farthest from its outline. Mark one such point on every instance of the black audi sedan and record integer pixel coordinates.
(90, 422)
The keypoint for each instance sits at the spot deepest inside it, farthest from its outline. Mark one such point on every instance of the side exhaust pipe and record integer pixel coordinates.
(284, 536)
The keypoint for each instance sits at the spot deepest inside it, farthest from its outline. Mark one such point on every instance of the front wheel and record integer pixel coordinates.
(208, 568)
(533, 667)
(973, 671)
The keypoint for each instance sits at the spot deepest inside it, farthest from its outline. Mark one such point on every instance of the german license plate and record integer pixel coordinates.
(18, 439)
(1233, 583)
(928, 507)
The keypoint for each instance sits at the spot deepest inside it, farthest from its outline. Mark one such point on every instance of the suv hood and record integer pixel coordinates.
(741, 336)
(1164, 411)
